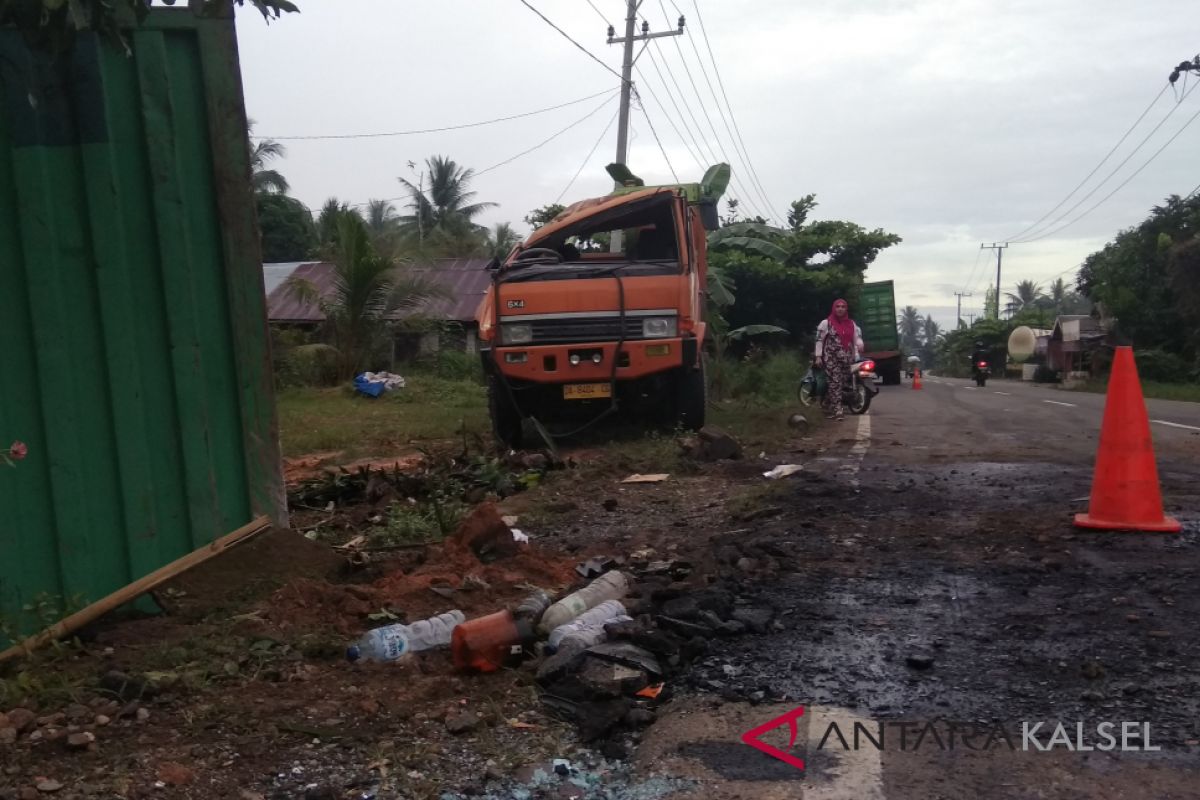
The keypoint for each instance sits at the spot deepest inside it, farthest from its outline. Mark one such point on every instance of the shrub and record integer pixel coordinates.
(311, 365)
(1159, 365)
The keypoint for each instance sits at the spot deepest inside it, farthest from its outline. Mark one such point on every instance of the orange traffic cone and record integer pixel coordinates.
(1125, 490)
(917, 378)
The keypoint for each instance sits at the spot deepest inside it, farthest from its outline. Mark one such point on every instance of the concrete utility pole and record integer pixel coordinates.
(999, 248)
(960, 296)
(627, 63)
(971, 317)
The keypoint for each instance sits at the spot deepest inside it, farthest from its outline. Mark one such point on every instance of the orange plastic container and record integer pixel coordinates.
(485, 643)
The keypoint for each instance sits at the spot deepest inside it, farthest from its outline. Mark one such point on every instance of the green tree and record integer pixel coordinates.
(263, 151)
(288, 232)
(367, 289)
(788, 277)
(909, 324)
(327, 221)
(499, 240)
(1027, 295)
(443, 201)
(1141, 278)
(383, 225)
(544, 215)
(930, 331)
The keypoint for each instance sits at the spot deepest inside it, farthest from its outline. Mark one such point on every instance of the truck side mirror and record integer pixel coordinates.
(708, 214)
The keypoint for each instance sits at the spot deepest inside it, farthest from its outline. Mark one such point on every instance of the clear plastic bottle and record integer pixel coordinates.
(591, 618)
(609, 586)
(393, 642)
(533, 606)
(590, 635)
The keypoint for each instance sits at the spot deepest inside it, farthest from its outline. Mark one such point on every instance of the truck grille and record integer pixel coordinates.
(596, 329)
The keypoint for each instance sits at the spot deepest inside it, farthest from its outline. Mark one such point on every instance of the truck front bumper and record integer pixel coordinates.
(590, 362)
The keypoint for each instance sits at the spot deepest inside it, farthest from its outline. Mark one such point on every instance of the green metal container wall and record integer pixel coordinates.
(134, 356)
(876, 315)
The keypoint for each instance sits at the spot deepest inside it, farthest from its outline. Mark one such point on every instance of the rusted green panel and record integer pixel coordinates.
(132, 325)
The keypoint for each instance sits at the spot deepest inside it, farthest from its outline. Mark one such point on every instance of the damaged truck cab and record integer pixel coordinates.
(601, 311)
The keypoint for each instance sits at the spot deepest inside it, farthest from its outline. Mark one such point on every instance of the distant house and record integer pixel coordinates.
(463, 283)
(1072, 342)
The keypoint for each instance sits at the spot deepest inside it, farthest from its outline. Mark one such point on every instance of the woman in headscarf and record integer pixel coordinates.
(839, 341)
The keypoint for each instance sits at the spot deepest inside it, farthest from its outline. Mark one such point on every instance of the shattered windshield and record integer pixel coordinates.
(644, 231)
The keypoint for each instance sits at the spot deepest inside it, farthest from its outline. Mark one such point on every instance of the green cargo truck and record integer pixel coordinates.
(876, 315)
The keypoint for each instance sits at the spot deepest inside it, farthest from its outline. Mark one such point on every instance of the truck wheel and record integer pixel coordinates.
(691, 398)
(891, 376)
(506, 419)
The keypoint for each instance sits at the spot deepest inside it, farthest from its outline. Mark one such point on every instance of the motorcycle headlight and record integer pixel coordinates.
(516, 333)
(659, 327)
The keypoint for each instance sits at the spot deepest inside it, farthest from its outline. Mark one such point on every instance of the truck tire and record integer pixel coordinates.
(890, 375)
(506, 419)
(691, 398)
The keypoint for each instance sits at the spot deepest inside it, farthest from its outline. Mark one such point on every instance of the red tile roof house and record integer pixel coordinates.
(463, 282)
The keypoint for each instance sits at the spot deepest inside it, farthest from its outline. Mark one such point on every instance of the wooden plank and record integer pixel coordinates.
(136, 589)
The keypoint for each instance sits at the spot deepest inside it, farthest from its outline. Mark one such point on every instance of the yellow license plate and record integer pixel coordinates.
(586, 391)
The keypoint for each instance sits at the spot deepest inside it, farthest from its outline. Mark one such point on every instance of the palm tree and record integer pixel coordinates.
(498, 241)
(1026, 296)
(932, 331)
(265, 181)
(1058, 293)
(910, 324)
(443, 199)
(367, 288)
(327, 221)
(382, 224)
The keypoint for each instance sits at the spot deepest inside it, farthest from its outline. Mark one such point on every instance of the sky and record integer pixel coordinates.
(947, 122)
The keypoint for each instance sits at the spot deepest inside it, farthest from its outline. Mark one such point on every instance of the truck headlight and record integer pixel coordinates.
(516, 333)
(659, 327)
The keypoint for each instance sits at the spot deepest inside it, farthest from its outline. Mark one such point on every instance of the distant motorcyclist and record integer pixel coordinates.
(980, 353)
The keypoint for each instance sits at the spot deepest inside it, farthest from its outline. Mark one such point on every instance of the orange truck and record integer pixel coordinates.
(600, 312)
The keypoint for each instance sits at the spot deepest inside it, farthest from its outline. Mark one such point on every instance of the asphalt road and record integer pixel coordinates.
(937, 577)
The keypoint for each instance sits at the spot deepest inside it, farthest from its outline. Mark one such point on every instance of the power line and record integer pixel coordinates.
(586, 159)
(526, 152)
(670, 119)
(711, 155)
(598, 11)
(1096, 168)
(748, 196)
(442, 129)
(1109, 176)
(548, 139)
(745, 156)
(1123, 183)
(974, 269)
(661, 149)
(566, 36)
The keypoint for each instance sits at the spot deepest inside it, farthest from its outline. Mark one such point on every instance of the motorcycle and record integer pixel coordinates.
(981, 373)
(856, 394)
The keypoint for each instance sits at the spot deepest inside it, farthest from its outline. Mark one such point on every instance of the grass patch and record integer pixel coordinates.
(429, 407)
(1188, 392)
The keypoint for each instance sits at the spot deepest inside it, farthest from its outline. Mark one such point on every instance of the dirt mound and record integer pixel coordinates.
(452, 576)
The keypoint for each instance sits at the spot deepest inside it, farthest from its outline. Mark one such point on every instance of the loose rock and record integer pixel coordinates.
(919, 661)
(462, 722)
(81, 740)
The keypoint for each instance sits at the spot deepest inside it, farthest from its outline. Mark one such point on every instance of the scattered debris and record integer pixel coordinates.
(595, 567)
(657, 477)
(374, 384)
(711, 444)
(782, 471)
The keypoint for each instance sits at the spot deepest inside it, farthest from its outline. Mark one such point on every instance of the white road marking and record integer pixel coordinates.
(1057, 403)
(1175, 425)
(856, 772)
(862, 441)
(972, 388)
(1006, 394)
